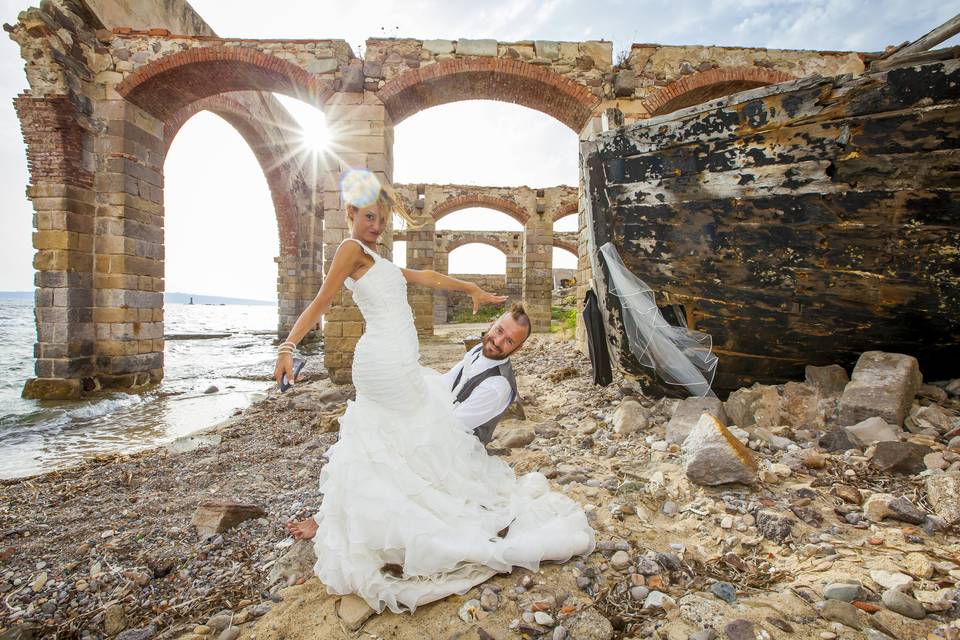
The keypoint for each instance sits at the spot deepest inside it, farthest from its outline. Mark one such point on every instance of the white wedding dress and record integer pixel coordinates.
(406, 485)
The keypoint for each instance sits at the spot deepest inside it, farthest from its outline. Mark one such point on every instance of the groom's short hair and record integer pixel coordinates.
(519, 314)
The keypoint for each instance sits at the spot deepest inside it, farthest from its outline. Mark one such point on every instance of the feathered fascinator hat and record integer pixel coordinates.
(359, 187)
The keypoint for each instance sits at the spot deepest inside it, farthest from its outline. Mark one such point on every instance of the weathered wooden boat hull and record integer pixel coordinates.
(797, 224)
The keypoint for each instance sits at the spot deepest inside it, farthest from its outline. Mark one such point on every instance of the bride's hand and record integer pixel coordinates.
(284, 366)
(481, 297)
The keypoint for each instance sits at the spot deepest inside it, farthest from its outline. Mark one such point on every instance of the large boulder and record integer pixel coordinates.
(900, 457)
(687, 414)
(800, 406)
(712, 455)
(630, 417)
(757, 405)
(216, 516)
(883, 384)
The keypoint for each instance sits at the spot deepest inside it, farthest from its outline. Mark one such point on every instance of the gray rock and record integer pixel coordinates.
(687, 414)
(659, 600)
(489, 600)
(712, 455)
(630, 417)
(837, 440)
(589, 625)
(669, 561)
(547, 49)
(484, 47)
(211, 389)
(143, 633)
(648, 567)
(220, 621)
(639, 593)
(293, 565)
(829, 380)
(703, 634)
(882, 384)
(620, 560)
(725, 591)
(216, 516)
(843, 592)
(625, 83)
(906, 605)
(873, 430)
(740, 630)
(900, 457)
(322, 65)
(559, 632)
(944, 493)
(774, 526)
(934, 417)
(842, 612)
(230, 633)
(438, 47)
(884, 505)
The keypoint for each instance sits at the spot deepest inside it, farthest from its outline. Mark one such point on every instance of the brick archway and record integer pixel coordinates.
(175, 81)
(707, 85)
(268, 155)
(457, 203)
(567, 246)
(498, 79)
(566, 210)
(460, 242)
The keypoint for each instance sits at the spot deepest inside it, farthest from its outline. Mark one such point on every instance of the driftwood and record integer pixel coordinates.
(907, 51)
(802, 223)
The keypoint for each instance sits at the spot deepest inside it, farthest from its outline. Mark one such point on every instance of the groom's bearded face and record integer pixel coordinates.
(504, 337)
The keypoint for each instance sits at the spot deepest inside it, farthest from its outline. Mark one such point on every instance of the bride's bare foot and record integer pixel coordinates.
(303, 530)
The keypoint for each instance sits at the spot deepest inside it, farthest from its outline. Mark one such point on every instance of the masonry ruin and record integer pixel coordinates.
(110, 87)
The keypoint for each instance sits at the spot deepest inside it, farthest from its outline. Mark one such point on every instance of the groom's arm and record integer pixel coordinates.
(488, 400)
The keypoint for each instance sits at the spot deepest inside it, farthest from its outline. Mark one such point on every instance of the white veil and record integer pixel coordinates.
(678, 355)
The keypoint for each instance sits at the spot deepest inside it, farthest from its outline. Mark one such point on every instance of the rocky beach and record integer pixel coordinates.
(819, 509)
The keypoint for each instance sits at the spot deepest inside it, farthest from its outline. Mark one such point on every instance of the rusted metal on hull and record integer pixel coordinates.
(797, 224)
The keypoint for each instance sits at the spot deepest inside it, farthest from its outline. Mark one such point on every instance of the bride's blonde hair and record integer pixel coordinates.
(387, 202)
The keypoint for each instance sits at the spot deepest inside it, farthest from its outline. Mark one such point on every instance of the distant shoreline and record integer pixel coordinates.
(174, 297)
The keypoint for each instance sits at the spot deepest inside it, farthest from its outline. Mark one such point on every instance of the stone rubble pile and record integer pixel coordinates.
(818, 509)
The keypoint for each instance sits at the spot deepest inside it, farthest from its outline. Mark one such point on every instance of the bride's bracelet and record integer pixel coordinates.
(286, 347)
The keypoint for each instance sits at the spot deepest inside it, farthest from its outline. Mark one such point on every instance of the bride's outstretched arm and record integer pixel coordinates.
(345, 261)
(434, 280)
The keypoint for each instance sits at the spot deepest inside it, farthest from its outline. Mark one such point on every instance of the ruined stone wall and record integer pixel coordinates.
(461, 305)
(175, 15)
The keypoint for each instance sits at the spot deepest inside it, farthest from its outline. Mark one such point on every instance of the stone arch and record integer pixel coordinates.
(567, 246)
(504, 80)
(271, 162)
(170, 83)
(490, 242)
(502, 205)
(707, 85)
(565, 210)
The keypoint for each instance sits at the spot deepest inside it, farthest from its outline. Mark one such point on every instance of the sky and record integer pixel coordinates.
(221, 233)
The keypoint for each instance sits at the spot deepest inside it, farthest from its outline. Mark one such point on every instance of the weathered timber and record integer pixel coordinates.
(802, 223)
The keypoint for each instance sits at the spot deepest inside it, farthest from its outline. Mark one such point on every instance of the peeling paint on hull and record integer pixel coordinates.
(802, 223)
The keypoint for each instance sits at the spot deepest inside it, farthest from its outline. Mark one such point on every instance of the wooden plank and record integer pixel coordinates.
(929, 40)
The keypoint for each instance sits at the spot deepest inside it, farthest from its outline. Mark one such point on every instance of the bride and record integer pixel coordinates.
(413, 507)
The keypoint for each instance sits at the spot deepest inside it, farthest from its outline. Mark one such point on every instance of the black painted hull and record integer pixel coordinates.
(797, 224)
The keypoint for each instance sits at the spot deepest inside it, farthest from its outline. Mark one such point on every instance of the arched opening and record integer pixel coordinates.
(480, 261)
(567, 223)
(708, 85)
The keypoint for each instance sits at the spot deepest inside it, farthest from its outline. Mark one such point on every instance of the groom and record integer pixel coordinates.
(482, 383)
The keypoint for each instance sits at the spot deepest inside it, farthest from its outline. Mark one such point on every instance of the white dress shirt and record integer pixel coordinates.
(490, 398)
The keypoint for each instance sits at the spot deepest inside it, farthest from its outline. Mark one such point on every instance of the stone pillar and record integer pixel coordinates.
(128, 246)
(514, 273)
(61, 180)
(366, 142)
(538, 270)
(420, 255)
(600, 121)
(441, 262)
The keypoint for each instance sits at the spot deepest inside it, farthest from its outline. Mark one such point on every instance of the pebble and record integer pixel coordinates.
(659, 600)
(620, 560)
(725, 591)
(669, 508)
(230, 633)
(905, 605)
(703, 634)
(468, 611)
(740, 630)
(220, 621)
(726, 522)
(543, 618)
(892, 580)
(489, 600)
(842, 612)
(844, 592)
(647, 567)
(639, 593)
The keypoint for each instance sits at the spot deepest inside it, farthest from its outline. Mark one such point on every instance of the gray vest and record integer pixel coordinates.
(485, 431)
